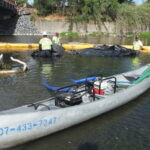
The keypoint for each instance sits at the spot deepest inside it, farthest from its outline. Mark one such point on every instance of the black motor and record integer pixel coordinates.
(68, 99)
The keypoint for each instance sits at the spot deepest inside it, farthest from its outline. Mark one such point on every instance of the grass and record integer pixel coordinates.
(72, 34)
(96, 34)
(145, 35)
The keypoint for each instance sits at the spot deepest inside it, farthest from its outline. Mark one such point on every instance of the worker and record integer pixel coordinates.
(45, 45)
(56, 38)
(137, 44)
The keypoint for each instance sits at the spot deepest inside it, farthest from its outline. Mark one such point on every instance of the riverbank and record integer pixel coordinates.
(28, 25)
(56, 23)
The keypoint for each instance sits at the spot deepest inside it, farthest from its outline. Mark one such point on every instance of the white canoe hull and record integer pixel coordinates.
(23, 127)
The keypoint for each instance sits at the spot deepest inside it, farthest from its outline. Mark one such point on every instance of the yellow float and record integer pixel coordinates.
(77, 46)
(9, 47)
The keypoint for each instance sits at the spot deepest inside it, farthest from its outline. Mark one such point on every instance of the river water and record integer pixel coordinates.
(125, 128)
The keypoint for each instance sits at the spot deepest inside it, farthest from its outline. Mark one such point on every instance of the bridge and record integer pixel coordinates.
(7, 9)
(8, 16)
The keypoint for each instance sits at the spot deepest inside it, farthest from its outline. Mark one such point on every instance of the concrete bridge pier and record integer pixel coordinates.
(8, 17)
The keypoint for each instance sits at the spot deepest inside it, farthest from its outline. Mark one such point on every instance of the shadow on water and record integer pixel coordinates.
(8, 26)
(88, 146)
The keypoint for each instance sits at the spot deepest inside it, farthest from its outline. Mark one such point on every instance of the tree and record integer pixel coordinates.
(127, 1)
(45, 7)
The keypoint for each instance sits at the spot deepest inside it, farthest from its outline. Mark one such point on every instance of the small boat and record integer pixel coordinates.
(16, 69)
(85, 101)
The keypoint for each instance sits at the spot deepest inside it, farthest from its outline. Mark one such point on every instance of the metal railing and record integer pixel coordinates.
(12, 2)
(8, 4)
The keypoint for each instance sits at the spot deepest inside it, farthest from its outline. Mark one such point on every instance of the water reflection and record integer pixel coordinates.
(136, 63)
(47, 70)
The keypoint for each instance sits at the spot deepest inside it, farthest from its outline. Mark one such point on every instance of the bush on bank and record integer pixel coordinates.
(70, 34)
(145, 35)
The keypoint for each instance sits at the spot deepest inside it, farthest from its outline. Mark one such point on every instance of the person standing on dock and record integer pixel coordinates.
(45, 45)
(56, 38)
(137, 44)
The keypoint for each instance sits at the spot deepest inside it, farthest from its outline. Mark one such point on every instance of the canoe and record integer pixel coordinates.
(35, 120)
(16, 69)
(8, 47)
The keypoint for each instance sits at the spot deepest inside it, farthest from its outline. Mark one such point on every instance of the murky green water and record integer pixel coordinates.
(124, 128)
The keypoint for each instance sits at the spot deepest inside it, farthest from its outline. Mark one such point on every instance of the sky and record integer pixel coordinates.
(138, 2)
(31, 2)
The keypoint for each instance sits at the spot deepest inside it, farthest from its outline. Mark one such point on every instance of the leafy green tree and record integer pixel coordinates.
(127, 1)
(131, 16)
(45, 7)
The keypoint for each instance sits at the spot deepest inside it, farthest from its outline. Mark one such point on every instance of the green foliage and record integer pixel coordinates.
(98, 10)
(145, 35)
(20, 2)
(130, 16)
(94, 34)
(45, 7)
(69, 34)
(4, 66)
(33, 17)
(125, 1)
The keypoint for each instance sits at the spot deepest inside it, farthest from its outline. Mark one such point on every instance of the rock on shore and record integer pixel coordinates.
(24, 26)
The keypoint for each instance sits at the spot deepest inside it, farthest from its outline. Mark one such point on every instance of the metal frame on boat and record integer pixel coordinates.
(35, 120)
